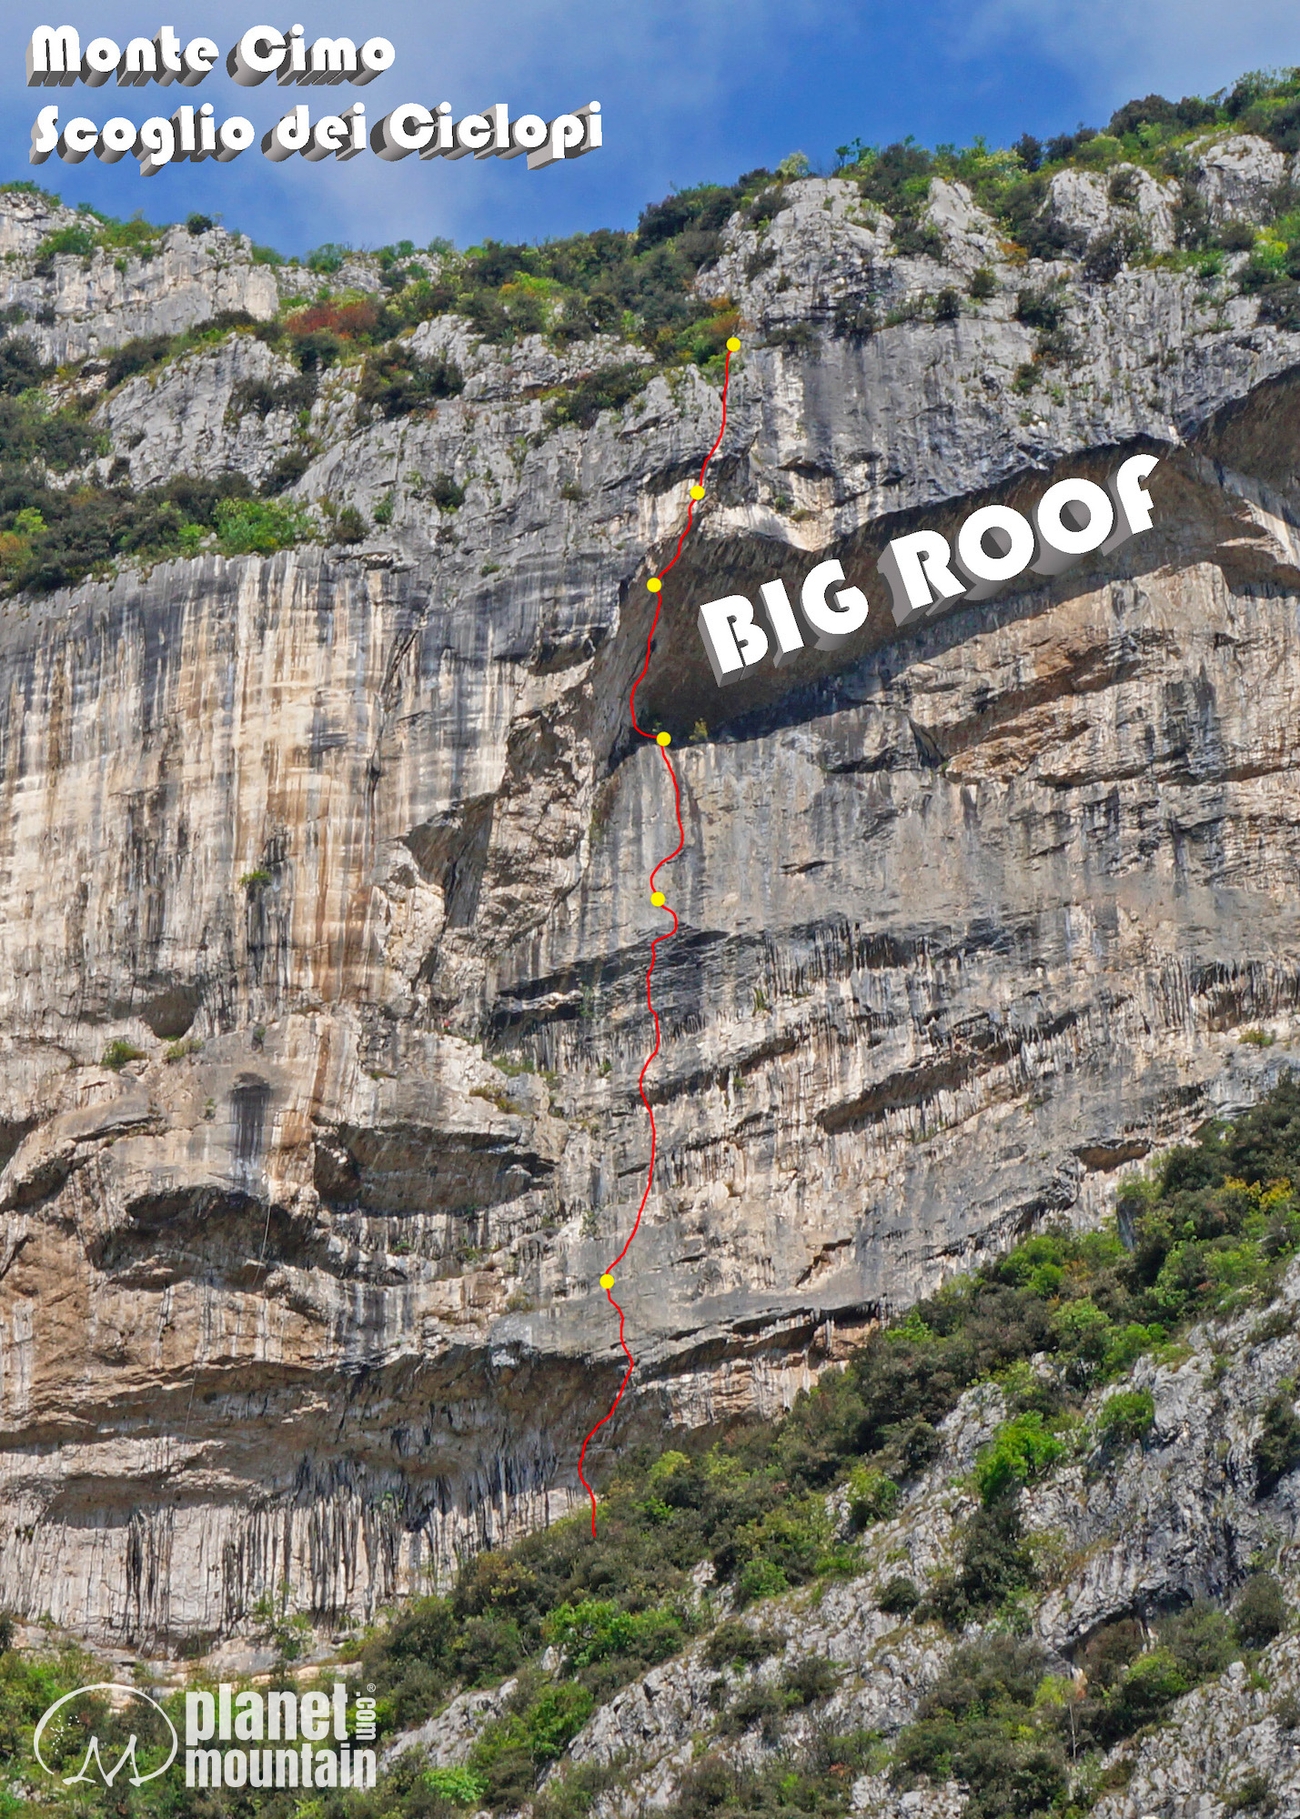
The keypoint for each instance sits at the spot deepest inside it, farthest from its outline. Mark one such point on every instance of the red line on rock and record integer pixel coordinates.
(654, 953)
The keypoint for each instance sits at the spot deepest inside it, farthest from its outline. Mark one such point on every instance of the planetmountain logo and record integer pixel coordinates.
(311, 1723)
(49, 1736)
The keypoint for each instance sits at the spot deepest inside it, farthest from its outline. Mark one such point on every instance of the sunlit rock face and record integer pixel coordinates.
(324, 917)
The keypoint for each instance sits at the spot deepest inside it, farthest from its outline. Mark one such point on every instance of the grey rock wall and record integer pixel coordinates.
(973, 916)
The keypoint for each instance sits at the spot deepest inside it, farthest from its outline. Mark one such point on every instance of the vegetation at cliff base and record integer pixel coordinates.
(569, 1620)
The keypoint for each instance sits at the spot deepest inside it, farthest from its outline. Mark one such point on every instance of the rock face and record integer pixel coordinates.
(352, 845)
(80, 304)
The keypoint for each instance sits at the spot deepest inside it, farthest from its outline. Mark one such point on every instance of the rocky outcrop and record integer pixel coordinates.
(78, 304)
(1087, 206)
(1237, 178)
(351, 846)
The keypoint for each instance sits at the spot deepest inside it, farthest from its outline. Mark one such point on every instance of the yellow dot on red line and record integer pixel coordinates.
(654, 584)
(733, 344)
(607, 1281)
(697, 491)
(664, 738)
(658, 899)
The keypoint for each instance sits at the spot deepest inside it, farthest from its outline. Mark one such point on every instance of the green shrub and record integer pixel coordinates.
(348, 525)
(809, 1678)
(788, 1545)
(267, 395)
(573, 1792)
(1208, 1228)
(814, 1784)
(446, 493)
(136, 236)
(286, 472)
(1126, 1417)
(1092, 1347)
(66, 240)
(328, 258)
(24, 186)
(1287, 1711)
(873, 1497)
(1109, 1651)
(1152, 1684)
(1041, 309)
(1277, 1450)
(247, 527)
(792, 337)
(609, 389)
(1268, 265)
(758, 1705)
(318, 349)
(734, 1643)
(1200, 1639)
(898, 1596)
(52, 536)
(980, 1724)
(1236, 236)
(760, 1579)
(399, 381)
(983, 284)
(512, 1751)
(33, 435)
(1253, 1795)
(1192, 1646)
(137, 357)
(1259, 1613)
(30, 1682)
(1112, 251)
(119, 1052)
(995, 1564)
(459, 1785)
(597, 1629)
(855, 317)
(20, 365)
(1279, 304)
(1022, 1449)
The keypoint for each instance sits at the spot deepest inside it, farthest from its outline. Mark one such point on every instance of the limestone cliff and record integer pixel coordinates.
(350, 843)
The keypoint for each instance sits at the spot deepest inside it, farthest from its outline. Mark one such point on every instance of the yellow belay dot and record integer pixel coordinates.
(607, 1281)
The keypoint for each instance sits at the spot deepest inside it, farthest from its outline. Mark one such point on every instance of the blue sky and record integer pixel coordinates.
(690, 92)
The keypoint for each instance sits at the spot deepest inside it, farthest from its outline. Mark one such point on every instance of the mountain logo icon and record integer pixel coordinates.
(145, 1712)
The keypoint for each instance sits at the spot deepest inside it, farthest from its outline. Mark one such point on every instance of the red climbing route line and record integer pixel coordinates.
(655, 584)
